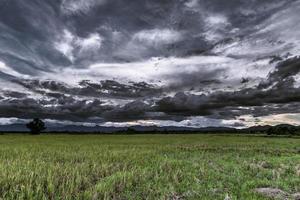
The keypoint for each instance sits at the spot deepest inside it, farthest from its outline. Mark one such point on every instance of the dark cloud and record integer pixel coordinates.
(14, 94)
(195, 81)
(35, 25)
(67, 39)
(281, 91)
(62, 109)
(27, 31)
(132, 111)
(59, 100)
(116, 89)
(107, 88)
(257, 111)
(283, 73)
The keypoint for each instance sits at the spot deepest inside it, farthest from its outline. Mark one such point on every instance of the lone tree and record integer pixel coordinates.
(36, 126)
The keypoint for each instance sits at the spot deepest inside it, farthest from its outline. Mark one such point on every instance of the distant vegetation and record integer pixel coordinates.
(283, 130)
(279, 130)
(37, 126)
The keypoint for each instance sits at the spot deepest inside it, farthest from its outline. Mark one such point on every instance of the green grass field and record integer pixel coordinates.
(146, 166)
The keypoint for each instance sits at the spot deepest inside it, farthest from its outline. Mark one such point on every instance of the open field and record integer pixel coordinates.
(146, 166)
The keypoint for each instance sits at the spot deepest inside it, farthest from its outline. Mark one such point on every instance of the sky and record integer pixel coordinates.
(194, 63)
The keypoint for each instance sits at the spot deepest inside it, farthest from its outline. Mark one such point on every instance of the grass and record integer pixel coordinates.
(146, 166)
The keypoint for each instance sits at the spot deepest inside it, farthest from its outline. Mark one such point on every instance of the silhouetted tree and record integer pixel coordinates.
(131, 131)
(282, 130)
(36, 126)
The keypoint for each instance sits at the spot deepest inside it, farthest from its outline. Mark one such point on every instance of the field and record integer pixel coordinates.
(146, 166)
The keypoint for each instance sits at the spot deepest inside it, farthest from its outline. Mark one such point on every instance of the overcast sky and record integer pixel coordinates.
(191, 63)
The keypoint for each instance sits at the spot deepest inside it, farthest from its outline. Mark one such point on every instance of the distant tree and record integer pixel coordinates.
(36, 126)
(130, 130)
(292, 130)
(271, 131)
(282, 130)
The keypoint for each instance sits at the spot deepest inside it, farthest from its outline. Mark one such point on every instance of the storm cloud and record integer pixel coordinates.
(118, 61)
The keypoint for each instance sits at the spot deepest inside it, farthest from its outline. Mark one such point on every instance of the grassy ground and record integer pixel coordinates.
(146, 166)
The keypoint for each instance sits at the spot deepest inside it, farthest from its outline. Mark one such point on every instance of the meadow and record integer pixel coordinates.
(146, 166)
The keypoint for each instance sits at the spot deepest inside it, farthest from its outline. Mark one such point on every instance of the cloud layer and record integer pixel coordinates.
(189, 62)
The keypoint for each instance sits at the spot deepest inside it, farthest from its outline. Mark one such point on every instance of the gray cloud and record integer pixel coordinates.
(281, 91)
(65, 102)
(62, 108)
(283, 73)
(119, 23)
(150, 60)
(85, 88)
